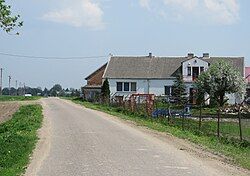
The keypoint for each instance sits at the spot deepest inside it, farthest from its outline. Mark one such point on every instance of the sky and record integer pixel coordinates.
(83, 28)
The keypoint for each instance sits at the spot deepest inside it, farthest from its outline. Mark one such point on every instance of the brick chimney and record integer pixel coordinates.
(150, 55)
(190, 55)
(206, 55)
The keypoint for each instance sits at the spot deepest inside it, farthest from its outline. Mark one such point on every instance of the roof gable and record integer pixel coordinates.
(146, 67)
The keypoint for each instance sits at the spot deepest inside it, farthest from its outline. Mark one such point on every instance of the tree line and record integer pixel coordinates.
(56, 90)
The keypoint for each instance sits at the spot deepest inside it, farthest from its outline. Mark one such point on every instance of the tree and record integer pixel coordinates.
(179, 91)
(220, 79)
(8, 22)
(105, 92)
(54, 91)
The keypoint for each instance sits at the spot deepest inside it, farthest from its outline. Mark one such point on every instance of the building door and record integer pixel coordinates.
(195, 71)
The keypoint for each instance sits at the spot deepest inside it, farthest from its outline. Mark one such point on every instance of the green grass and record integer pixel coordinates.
(238, 151)
(18, 98)
(18, 137)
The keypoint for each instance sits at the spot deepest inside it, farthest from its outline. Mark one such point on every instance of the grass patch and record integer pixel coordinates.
(239, 152)
(18, 98)
(18, 137)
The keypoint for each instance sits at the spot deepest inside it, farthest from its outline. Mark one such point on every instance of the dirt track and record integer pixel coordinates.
(7, 109)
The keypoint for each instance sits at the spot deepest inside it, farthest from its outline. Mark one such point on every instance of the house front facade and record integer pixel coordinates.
(156, 75)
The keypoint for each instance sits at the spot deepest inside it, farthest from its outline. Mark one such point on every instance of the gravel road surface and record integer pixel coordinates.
(81, 141)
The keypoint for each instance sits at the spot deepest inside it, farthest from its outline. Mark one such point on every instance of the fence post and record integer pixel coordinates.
(200, 118)
(240, 127)
(218, 124)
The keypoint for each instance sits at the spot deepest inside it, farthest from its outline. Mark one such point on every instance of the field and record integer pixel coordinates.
(18, 137)
(18, 98)
(7, 109)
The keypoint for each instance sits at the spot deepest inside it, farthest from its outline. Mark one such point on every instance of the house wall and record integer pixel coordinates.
(96, 78)
(195, 62)
(144, 86)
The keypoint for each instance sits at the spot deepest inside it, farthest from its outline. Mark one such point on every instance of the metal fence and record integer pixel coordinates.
(234, 124)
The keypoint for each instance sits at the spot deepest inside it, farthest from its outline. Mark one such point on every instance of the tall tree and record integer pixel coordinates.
(220, 79)
(105, 92)
(8, 22)
(179, 91)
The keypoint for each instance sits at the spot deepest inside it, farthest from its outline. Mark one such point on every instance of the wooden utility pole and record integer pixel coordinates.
(24, 88)
(9, 84)
(1, 80)
(16, 87)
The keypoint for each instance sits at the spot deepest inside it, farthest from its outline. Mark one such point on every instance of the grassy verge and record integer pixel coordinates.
(18, 137)
(18, 98)
(238, 152)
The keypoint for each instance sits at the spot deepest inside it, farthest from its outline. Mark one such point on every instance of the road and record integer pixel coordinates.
(88, 142)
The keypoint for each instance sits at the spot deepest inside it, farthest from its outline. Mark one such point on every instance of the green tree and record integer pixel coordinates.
(8, 22)
(179, 91)
(220, 79)
(54, 91)
(105, 92)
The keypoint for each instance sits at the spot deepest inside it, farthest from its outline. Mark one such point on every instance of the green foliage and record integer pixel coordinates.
(220, 79)
(18, 137)
(8, 22)
(55, 90)
(105, 92)
(179, 91)
(18, 98)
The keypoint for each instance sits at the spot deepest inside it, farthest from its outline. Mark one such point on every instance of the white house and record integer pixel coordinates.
(156, 75)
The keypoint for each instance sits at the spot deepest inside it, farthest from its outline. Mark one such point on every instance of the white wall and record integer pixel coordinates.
(156, 87)
(195, 62)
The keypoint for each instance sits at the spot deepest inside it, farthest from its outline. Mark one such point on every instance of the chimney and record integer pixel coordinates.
(150, 55)
(190, 55)
(205, 55)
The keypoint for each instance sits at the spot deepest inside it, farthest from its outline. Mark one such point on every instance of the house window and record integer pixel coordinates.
(189, 71)
(126, 86)
(168, 90)
(201, 69)
(119, 86)
(133, 86)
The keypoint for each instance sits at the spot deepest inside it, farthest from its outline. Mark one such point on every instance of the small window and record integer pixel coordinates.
(126, 86)
(168, 90)
(189, 71)
(119, 86)
(201, 69)
(133, 86)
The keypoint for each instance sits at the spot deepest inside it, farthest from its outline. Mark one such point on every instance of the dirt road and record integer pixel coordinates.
(78, 141)
(7, 109)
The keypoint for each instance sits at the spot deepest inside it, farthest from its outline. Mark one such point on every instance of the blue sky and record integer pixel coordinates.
(66, 28)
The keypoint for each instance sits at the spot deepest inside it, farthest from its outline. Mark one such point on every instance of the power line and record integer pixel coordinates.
(53, 58)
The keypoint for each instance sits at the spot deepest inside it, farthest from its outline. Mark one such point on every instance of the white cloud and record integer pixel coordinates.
(78, 13)
(224, 12)
(145, 3)
(185, 4)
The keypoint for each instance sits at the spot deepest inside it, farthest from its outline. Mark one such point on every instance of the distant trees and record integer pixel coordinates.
(56, 90)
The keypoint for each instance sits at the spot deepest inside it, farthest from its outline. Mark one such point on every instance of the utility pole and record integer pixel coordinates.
(16, 87)
(24, 89)
(21, 89)
(1, 80)
(9, 84)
